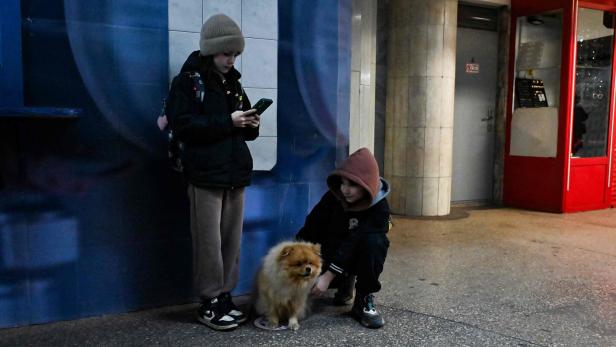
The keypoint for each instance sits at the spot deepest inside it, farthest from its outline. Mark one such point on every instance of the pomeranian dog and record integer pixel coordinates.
(289, 271)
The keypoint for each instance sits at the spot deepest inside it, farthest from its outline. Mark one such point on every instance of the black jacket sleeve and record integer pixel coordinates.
(249, 133)
(344, 254)
(188, 125)
(317, 221)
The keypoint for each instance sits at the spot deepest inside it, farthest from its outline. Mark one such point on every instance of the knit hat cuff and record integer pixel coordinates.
(221, 44)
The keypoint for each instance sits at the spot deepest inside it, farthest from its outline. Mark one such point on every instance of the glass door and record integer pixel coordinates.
(589, 164)
(593, 80)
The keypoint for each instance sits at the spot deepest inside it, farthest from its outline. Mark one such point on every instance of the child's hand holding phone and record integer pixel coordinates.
(242, 119)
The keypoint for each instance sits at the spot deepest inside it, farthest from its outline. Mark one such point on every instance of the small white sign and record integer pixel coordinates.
(472, 68)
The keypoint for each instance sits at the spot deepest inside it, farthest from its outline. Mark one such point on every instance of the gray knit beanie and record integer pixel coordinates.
(220, 34)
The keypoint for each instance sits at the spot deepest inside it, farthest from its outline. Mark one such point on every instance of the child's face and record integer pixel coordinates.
(351, 192)
(224, 61)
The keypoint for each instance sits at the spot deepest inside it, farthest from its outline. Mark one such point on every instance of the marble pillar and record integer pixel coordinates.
(420, 105)
(363, 75)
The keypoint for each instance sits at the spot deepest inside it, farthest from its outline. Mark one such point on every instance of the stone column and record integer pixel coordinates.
(363, 75)
(420, 105)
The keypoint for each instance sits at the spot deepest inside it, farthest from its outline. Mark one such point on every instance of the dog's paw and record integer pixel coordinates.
(272, 322)
(293, 323)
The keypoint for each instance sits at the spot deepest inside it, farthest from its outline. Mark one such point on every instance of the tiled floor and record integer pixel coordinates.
(498, 277)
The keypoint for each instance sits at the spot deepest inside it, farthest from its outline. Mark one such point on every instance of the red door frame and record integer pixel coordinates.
(569, 204)
(543, 183)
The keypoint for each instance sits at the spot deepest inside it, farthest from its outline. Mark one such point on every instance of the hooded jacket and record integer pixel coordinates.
(337, 225)
(215, 154)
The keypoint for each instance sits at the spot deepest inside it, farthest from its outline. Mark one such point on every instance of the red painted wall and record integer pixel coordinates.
(613, 178)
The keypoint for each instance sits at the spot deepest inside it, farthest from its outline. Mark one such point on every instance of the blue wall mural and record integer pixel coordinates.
(92, 220)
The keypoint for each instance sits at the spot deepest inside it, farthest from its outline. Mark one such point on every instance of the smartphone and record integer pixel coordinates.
(262, 105)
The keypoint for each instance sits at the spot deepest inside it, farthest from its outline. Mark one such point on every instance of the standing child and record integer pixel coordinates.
(213, 127)
(351, 223)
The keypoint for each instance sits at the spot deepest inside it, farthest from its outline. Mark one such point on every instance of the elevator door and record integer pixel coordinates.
(475, 101)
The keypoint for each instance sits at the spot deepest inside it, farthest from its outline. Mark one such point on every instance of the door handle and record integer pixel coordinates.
(490, 116)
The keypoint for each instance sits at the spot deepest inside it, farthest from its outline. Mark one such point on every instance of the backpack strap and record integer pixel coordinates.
(198, 86)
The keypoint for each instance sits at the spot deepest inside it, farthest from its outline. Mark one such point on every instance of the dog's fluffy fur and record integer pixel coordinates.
(289, 271)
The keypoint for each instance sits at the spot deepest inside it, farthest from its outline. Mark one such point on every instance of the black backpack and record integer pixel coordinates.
(166, 118)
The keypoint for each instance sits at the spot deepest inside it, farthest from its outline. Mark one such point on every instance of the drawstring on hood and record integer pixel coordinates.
(361, 168)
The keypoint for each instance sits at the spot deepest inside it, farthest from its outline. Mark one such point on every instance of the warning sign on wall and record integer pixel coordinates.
(472, 68)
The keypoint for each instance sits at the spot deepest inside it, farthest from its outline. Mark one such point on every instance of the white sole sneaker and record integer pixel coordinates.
(216, 327)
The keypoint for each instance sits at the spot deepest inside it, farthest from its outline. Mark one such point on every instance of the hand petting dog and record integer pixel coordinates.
(320, 288)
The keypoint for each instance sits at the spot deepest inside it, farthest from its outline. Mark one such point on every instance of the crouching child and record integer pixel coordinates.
(351, 222)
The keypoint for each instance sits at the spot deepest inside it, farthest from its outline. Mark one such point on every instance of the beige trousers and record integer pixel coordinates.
(216, 218)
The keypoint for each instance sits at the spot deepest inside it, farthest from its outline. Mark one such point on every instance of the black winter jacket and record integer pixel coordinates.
(339, 230)
(215, 153)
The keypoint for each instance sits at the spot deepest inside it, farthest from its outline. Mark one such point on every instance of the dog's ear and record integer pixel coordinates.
(286, 251)
(317, 249)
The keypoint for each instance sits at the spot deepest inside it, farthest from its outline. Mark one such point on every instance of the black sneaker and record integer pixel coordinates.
(211, 313)
(364, 312)
(232, 310)
(346, 290)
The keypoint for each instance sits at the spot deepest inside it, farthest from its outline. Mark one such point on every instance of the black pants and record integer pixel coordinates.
(368, 259)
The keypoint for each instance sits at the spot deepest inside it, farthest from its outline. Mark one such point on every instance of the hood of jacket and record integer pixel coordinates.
(361, 168)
